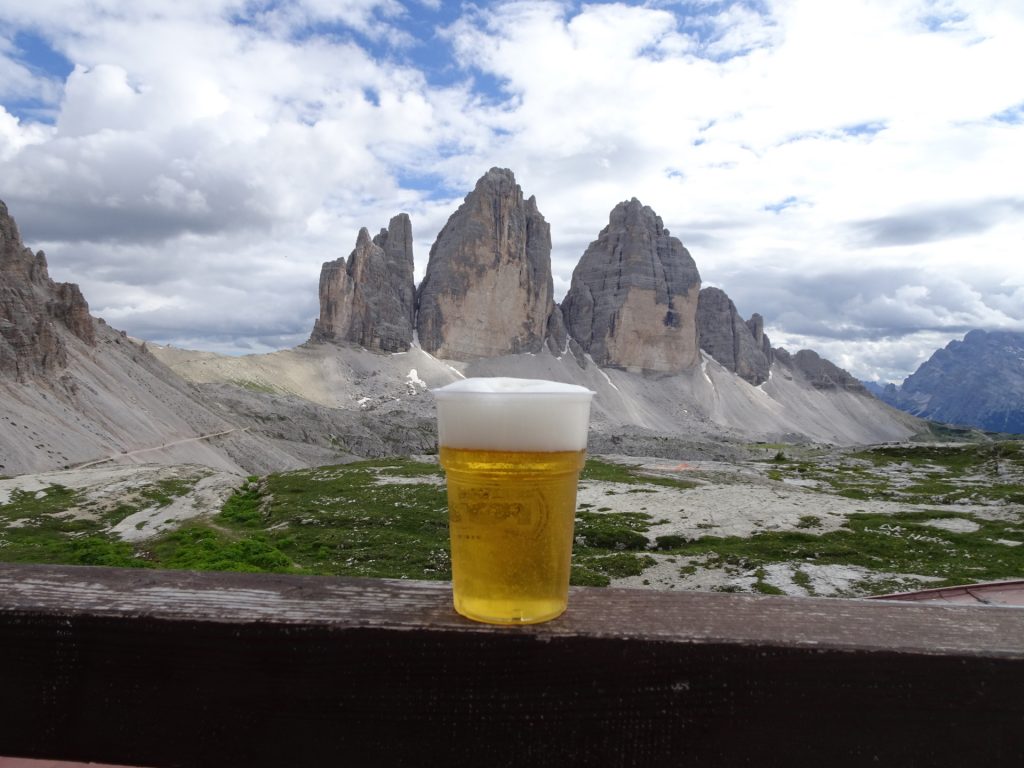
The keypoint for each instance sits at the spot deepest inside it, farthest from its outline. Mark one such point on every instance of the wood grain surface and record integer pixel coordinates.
(173, 668)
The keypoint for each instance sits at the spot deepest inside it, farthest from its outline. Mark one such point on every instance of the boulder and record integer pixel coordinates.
(632, 302)
(488, 290)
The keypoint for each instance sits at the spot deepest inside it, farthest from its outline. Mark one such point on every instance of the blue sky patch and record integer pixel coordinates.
(783, 204)
(1012, 115)
(38, 55)
(430, 185)
(431, 52)
(865, 129)
(943, 22)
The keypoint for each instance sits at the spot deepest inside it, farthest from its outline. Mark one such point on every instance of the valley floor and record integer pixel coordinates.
(787, 520)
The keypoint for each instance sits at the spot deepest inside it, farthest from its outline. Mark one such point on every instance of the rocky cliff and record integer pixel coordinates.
(31, 307)
(741, 346)
(488, 290)
(820, 373)
(976, 382)
(632, 302)
(369, 298)
(74, 390)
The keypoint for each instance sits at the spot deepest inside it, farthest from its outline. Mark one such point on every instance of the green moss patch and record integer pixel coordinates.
(597, 469)
(900, 544)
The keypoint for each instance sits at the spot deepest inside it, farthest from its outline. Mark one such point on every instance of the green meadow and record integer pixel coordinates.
(387, 518)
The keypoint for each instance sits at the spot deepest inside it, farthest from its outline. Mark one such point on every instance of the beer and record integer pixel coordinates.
(512, 450)
(511, 520)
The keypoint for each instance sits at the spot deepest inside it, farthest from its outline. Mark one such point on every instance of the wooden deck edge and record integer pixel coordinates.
(163, 668)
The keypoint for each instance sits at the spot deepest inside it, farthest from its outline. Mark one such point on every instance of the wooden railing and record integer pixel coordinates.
(163, 668)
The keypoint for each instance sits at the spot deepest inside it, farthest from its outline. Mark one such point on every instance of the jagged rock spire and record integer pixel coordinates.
(369, 299)
(34, 309)
(488, 289)
(740, 346)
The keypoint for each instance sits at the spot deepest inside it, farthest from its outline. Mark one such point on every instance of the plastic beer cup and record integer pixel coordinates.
(512, 451)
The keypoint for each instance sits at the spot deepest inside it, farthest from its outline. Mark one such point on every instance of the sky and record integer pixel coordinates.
(851, 170)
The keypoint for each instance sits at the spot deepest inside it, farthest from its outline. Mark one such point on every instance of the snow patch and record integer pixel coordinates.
(610, 382)
(414, 380)
(704, 368)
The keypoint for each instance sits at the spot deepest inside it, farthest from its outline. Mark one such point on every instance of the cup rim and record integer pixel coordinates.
(441, 395)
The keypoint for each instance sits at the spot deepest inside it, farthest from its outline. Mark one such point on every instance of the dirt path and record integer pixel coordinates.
(115, 456)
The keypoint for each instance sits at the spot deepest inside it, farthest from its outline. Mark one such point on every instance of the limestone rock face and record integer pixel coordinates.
(633, 299)
(756, 326)
(740, 346)
(488, 290)
(33, 308)
(369, 299)
(819, 372)
(978, 382)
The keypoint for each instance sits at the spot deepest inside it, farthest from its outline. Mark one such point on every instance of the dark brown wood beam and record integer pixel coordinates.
(173, 668)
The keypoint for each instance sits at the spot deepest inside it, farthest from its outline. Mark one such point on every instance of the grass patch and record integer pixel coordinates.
(348, 520)
(342, 521)
(200, 548)
(115, 515)
(29, 504)
(919, 474)
(762, 586)
(954, 458)
(405, 468)
(899, 544)
(41, 527)
(582, 576)
(803, 580)
(165, 491)
(336, 520)
(616, 531)
(597, 469)
(254, 386)
(670, 541)
(617, 565)
(243, 507)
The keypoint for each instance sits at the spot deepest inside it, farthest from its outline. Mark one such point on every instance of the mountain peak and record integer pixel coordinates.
(369, 298)
(488, 289)
(978, 382)
(633, 299)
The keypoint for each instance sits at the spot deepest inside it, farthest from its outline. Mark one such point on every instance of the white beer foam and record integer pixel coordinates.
(506, 414)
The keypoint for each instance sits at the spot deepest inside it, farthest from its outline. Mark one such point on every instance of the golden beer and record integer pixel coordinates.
(512, 450)
(511, 520)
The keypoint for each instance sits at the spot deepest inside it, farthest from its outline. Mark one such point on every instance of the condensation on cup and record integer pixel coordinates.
(512, 450)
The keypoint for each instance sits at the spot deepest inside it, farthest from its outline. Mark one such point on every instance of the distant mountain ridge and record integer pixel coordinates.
(976, 382)
(672, 378)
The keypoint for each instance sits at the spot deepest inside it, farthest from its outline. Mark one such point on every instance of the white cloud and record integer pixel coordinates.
(793, 145)
(887, 359)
